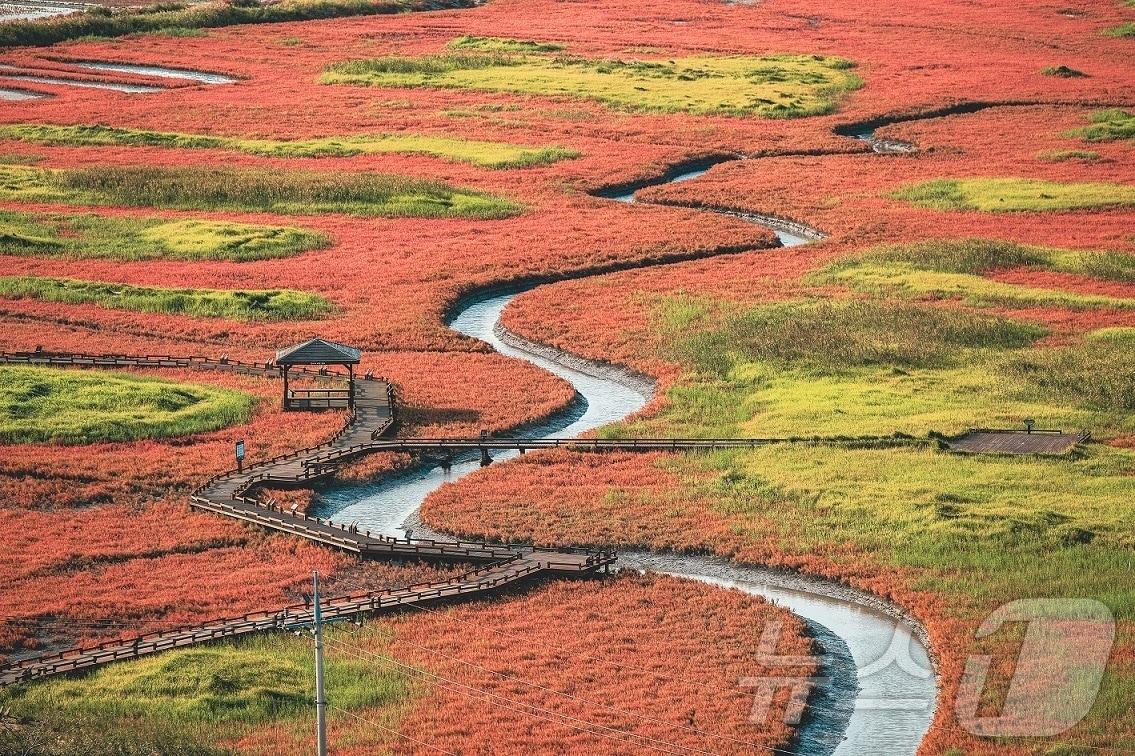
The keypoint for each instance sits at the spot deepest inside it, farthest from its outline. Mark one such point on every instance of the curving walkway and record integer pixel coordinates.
(365, 432)
(229, 494)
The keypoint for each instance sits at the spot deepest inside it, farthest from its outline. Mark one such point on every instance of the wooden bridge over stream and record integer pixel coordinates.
(368, 430)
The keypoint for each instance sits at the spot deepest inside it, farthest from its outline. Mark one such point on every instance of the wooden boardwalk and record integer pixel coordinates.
(369, 430)
(357, 605)
(994, 441)
(228, 494)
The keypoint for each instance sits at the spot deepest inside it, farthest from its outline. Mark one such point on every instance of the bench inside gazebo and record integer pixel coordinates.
(321, 353)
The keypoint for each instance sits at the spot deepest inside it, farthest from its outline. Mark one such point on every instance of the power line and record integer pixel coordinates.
(439, 749)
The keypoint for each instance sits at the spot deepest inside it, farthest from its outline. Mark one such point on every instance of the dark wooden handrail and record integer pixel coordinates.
(226, 494)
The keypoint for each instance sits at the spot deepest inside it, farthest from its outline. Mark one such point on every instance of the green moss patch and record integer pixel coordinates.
(273, 304)
(251, 190)
(201, 700)
(126, 238)
(938, 269)
(779, 86)
(40, 404)
(480, 153)
(502, 44)
(1107, 126)
(994, 195)
(1063, 72)
(178, 20)
(1064, 156)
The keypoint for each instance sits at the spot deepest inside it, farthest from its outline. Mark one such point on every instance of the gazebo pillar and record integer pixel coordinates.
(322, 353)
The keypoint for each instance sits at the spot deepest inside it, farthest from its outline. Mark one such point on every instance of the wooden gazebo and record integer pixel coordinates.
(322, 353)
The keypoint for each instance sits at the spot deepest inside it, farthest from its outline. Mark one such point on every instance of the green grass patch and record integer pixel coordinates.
(857, 368)
(829, 336)
(955, 269)
(234, 304)
(1123, 31)
(201, 700)
(779, 86)
(942, 501)
(480, 153)
(503, 45)
(980, 256)
(14, 158)
(909, 281)
(126, 238)
(251, 190)
(1063, 72)
(1064, 156)
(1014, 194)
(179, 19)
(1107, 126)
(39, 404)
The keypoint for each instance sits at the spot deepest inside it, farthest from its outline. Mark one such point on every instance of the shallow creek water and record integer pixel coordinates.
(159, 71)
(855, 709)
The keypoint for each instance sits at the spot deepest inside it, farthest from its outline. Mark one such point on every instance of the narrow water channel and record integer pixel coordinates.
(876, 690)
(887, 711)
(163, 72)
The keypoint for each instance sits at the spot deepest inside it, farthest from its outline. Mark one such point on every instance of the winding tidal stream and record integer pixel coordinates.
(876, 690)
(863, 705)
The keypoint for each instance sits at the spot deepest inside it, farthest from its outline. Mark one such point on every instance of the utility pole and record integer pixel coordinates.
(320, 696)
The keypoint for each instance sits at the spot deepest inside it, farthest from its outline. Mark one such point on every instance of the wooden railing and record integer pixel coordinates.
(483, 579)
(508, 562)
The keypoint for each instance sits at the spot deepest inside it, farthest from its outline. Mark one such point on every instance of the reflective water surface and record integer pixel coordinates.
(884, 708)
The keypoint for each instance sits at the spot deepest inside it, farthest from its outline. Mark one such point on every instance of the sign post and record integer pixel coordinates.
(1029, 423)
(240, 456)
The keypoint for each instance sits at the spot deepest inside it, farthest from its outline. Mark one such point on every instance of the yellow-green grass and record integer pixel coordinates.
(978, 256)
(909, 281)
(130, 238)
(202, 700)
(503, 44)
(231, 304)
(994, 195)
(55, 405)
(774, 86)
(852, 369)
(1107, 126)
(978, 530)
(1124, 30)
(252, 190)
(480, 153)
(17, 158)
(955, 268)
(1064, 156)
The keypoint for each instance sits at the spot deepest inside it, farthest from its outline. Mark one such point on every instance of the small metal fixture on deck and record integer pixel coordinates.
(319, 352)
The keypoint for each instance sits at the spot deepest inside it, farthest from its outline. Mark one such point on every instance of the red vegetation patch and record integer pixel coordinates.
(1077, 284)
(641, 662)
(394, 280)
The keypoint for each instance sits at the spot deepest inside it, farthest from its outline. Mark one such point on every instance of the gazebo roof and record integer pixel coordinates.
(318, 352)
